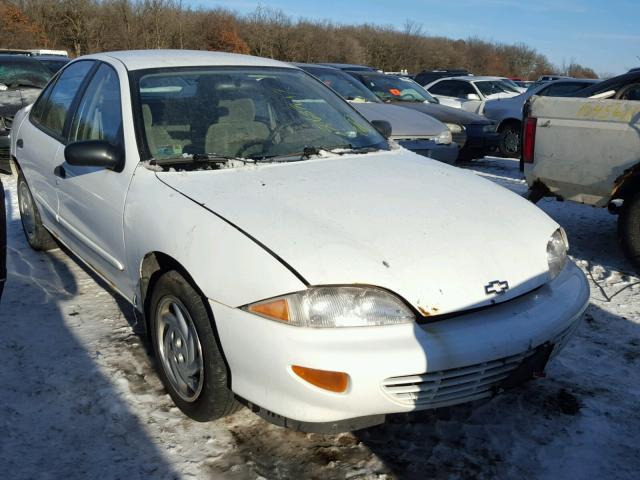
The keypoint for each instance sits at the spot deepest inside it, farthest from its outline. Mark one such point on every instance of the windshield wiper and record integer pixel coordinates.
(196, 160)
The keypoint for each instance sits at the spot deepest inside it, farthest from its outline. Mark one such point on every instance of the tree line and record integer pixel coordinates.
(88, 26)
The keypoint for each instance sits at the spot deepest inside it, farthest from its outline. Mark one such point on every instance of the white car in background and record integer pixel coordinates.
(279, 251)
(471, 92)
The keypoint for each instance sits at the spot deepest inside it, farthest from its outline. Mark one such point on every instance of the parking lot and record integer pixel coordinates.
(81, 397)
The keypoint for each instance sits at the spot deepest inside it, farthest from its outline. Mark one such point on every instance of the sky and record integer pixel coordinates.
(603, 35)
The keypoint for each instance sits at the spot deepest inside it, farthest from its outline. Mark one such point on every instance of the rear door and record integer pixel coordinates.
(41, 138)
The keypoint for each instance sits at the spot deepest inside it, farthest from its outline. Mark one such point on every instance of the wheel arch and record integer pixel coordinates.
(152, 267)
(509, 121)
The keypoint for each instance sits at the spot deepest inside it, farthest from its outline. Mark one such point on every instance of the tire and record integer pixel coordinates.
(510, 140)
(37, 236)
(190, 365)
(629, 229)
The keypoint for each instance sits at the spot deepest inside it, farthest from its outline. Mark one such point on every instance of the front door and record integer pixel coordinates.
(92, 198)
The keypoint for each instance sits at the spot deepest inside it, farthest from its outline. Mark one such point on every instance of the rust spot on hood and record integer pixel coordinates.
(427, 312)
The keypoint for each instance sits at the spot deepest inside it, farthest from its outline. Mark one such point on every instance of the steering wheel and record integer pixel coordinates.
(407, 96)
(267, 141)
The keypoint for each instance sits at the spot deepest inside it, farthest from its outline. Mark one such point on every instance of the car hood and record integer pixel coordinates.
(434, 234)
(404, 123)
(13, 100)
(445, 114)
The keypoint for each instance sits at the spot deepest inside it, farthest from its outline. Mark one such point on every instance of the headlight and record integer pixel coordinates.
(491, 128)
(329, 307)
(454, 127)
(557, 249)
(444, 138)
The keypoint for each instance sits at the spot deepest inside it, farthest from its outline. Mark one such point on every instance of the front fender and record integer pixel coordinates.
(226, 264)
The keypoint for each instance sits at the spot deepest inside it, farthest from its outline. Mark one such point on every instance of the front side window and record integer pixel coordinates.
(99, 116)
(52, 115)
(557, 90)
(243, 112)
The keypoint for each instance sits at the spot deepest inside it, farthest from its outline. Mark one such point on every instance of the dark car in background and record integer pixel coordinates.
(21, 80)
(475, 134)
(53, 63)
(350, 66)
(3, 241)
(413, 130)
(622, 87)
(425, 77)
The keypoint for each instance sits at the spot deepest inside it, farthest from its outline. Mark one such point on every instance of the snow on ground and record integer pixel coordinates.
(80, 399)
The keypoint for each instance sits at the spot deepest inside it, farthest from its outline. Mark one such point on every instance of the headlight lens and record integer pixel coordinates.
(491, 128)
(557, 249)
(330, 307)
(444, 138)
(454, 127)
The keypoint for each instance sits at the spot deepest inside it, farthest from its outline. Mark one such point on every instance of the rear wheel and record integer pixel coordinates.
(629, 229)
(37, 236)
(510, 140)
(190, 363)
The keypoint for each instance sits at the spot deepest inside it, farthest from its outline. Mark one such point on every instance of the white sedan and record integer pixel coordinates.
(279, 250)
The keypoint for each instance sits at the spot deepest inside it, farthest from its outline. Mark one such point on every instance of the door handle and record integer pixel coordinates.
(19, 143)
(59, 171)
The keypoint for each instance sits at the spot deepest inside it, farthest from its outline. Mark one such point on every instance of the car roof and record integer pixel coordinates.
(349, 66)
(142, 59)
(58, 58)
(315, 65)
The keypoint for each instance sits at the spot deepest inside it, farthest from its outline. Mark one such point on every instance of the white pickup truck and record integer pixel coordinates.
(587, 150)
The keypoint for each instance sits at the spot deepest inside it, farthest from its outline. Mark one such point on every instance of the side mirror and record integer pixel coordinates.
(94, 153)
(473, 96)
(383, 127)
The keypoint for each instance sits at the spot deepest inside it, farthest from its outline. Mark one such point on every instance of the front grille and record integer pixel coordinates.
(460, 385)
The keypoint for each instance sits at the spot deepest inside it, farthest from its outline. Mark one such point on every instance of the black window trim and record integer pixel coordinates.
(63, 137)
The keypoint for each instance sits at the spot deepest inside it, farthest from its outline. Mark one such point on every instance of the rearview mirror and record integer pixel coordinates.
(383, 127)
(473, 96)
(94, 153)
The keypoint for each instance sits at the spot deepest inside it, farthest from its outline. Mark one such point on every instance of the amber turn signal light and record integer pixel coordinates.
(277, 309)
(327, 380)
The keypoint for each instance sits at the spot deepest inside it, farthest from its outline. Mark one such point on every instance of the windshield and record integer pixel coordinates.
(54, 65)
(247, 112)
(343, 83)
(491, 87)
(390, 88)
(27, 73)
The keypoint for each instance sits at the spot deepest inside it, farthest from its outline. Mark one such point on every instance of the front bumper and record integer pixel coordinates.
(479, 345)
(480, 142)
(429, 148)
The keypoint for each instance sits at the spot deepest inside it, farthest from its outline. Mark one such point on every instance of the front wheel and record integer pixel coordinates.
(37, 236)
(190, 363)
(509, 145)
(629, 229)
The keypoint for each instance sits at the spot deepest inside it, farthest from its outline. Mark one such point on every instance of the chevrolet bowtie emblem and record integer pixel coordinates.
(497, 287)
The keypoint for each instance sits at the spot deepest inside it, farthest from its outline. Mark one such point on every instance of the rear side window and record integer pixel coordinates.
(452, 88)
(557, 90)
(52, 114)
(99, 115)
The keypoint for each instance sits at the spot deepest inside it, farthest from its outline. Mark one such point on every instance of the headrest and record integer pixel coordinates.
(146, 115)
(242, 110)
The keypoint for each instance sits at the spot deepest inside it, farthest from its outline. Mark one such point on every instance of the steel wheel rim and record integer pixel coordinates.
(511, 141)
(27, 213)
(179, 348)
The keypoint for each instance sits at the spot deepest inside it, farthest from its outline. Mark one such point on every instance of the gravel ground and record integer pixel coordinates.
(81, 399)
